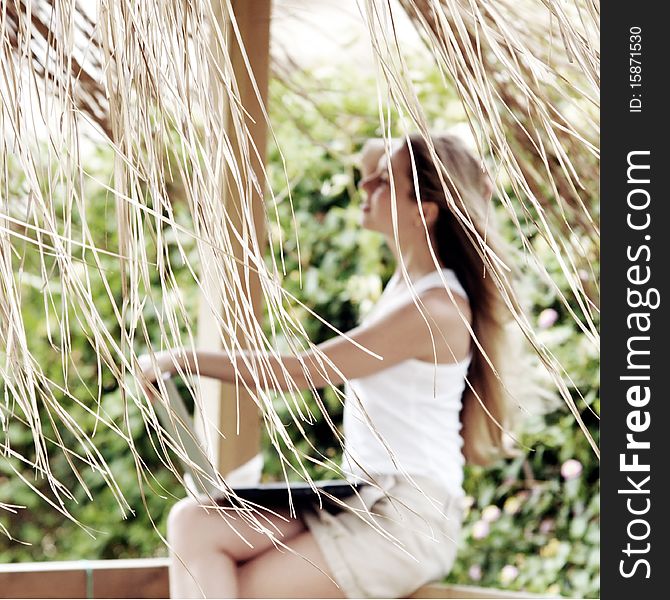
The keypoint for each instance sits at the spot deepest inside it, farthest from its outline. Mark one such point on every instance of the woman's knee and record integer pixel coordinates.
(186, 517)
(203, 523)
(192, 527)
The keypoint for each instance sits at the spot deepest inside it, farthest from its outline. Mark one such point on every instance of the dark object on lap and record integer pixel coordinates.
(277, 494)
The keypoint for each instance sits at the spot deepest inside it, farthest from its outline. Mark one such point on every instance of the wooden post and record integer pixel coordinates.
(219, 400)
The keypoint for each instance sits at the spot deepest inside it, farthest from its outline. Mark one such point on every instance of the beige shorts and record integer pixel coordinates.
(402, 543)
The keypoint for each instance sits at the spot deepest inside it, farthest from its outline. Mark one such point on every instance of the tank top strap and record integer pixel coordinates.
(431, 280)
(437, 279)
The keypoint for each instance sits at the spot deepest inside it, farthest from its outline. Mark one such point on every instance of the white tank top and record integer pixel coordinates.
(414, 406)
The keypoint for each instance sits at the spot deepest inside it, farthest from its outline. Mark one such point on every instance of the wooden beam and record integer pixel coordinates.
(42, 580)
(131, 579)
(465, 592)
(148, 578)
(219, 400)
(134, 578)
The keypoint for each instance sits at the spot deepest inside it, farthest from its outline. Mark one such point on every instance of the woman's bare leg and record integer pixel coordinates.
(278, 573)
(205, 548)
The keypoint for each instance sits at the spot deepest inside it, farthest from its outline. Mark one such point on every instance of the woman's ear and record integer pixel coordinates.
(430, 212)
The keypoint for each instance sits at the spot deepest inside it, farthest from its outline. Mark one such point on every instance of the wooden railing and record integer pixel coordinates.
(134, 578)
(148, 578)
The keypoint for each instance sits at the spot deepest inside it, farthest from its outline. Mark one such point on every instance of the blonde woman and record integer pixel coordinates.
(410, 420)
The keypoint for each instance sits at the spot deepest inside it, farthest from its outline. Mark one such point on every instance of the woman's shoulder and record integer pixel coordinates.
(449, 319)
(446, 305)
(441, 295)
(440, 313)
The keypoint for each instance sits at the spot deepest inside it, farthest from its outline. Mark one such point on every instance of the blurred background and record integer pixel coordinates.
(532, 522)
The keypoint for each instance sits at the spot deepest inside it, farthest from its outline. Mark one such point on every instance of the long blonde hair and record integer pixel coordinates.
(457, 249)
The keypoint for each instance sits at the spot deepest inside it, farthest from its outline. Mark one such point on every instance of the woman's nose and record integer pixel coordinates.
(365, 182)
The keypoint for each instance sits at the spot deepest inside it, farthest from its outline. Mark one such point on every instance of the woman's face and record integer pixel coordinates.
(377, 211)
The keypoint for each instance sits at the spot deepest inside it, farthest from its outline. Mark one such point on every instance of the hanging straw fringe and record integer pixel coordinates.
(521, 69)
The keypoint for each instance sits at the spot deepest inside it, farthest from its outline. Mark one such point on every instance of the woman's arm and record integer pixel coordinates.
(399, 335)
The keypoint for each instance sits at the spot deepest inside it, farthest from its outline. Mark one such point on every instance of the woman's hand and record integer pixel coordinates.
(150, 370)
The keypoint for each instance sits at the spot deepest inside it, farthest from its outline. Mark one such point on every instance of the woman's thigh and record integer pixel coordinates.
(301, 572)
(190, 526)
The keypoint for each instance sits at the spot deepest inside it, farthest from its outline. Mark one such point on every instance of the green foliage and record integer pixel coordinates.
(543, 537)
(107, 531)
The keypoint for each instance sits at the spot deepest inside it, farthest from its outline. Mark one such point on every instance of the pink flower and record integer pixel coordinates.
(571, 469)
(480, 530)
(491, 513)
(475, 572)
(546, 526)
(547, 318)
(508, 574)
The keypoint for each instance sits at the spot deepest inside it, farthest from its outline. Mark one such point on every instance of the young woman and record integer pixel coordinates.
(410, 420)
